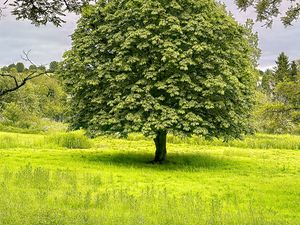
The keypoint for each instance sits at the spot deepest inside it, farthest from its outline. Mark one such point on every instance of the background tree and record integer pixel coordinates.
(278, 110)
(11, 66)
(53, 66)
(20, 67)
(294, 71)
(32, 67)
(159, 67)
(36, 106)
(266, 10)
(11, 80)
(267, 82)
(41, 68)
(282, 71)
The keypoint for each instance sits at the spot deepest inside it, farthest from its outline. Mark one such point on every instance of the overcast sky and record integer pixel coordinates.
(48, 43)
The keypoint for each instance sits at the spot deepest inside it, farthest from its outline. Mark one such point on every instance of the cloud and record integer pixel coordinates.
(47, 43)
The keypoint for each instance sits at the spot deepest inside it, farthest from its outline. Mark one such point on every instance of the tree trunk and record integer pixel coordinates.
(161, 146)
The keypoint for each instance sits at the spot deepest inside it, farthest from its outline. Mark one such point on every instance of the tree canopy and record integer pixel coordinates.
(282, 71)
(160, 67)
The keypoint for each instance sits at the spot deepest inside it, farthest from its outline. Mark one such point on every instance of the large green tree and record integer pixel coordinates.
(158, 67)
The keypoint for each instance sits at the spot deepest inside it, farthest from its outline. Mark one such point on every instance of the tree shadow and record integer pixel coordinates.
(185, 161)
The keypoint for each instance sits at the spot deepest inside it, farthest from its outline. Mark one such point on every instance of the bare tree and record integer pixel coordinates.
(17, 81)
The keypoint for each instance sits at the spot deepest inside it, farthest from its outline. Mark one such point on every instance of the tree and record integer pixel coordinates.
(267, 82)
(286, 110)
(20, 67)
(266, 10)
(11, 80)
(158, 67)
(40, 101)
(32, 67)
(282, 70)
(53, 66)
(11, 66)
(41, 68)
(279, 112)
(294, 71)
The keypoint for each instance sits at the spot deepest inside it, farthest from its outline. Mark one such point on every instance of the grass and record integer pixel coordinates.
(43, 180)
(71, 140)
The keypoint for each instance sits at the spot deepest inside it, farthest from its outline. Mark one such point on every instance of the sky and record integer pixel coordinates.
(48, 43)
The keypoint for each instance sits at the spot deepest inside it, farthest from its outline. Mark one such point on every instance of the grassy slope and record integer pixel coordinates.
(111, 183)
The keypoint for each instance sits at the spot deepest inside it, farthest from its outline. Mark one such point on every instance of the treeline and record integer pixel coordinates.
(20, 67)
(42, 102)
(38, 104)
(278, 107)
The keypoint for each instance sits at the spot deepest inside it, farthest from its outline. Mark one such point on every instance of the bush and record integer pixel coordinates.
(19, 117)
(70, 140)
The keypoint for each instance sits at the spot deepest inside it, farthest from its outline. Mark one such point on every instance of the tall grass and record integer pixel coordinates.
(40, 196)
(77, 140)
(69, 140)
(258, 141)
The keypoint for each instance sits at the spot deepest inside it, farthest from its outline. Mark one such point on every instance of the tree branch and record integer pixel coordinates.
(24, 80)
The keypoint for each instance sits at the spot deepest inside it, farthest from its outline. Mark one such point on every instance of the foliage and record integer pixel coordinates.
(32, 67)
(20, 67)
(53, 66)
(280, 111)
(266, 10)
(188, 70)
(282, 71)
(18, 116)
(294, 73)
(41, 12)
(28, 107)
(14, 77)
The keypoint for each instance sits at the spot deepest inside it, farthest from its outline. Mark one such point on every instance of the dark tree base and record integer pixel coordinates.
(158, 162)
(161, 147)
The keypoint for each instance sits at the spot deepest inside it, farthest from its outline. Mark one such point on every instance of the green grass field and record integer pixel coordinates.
(68, 179)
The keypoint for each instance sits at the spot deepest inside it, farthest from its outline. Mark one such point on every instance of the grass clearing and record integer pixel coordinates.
(44, 182)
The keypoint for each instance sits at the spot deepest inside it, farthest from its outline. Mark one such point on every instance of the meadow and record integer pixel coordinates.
(65, 178)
